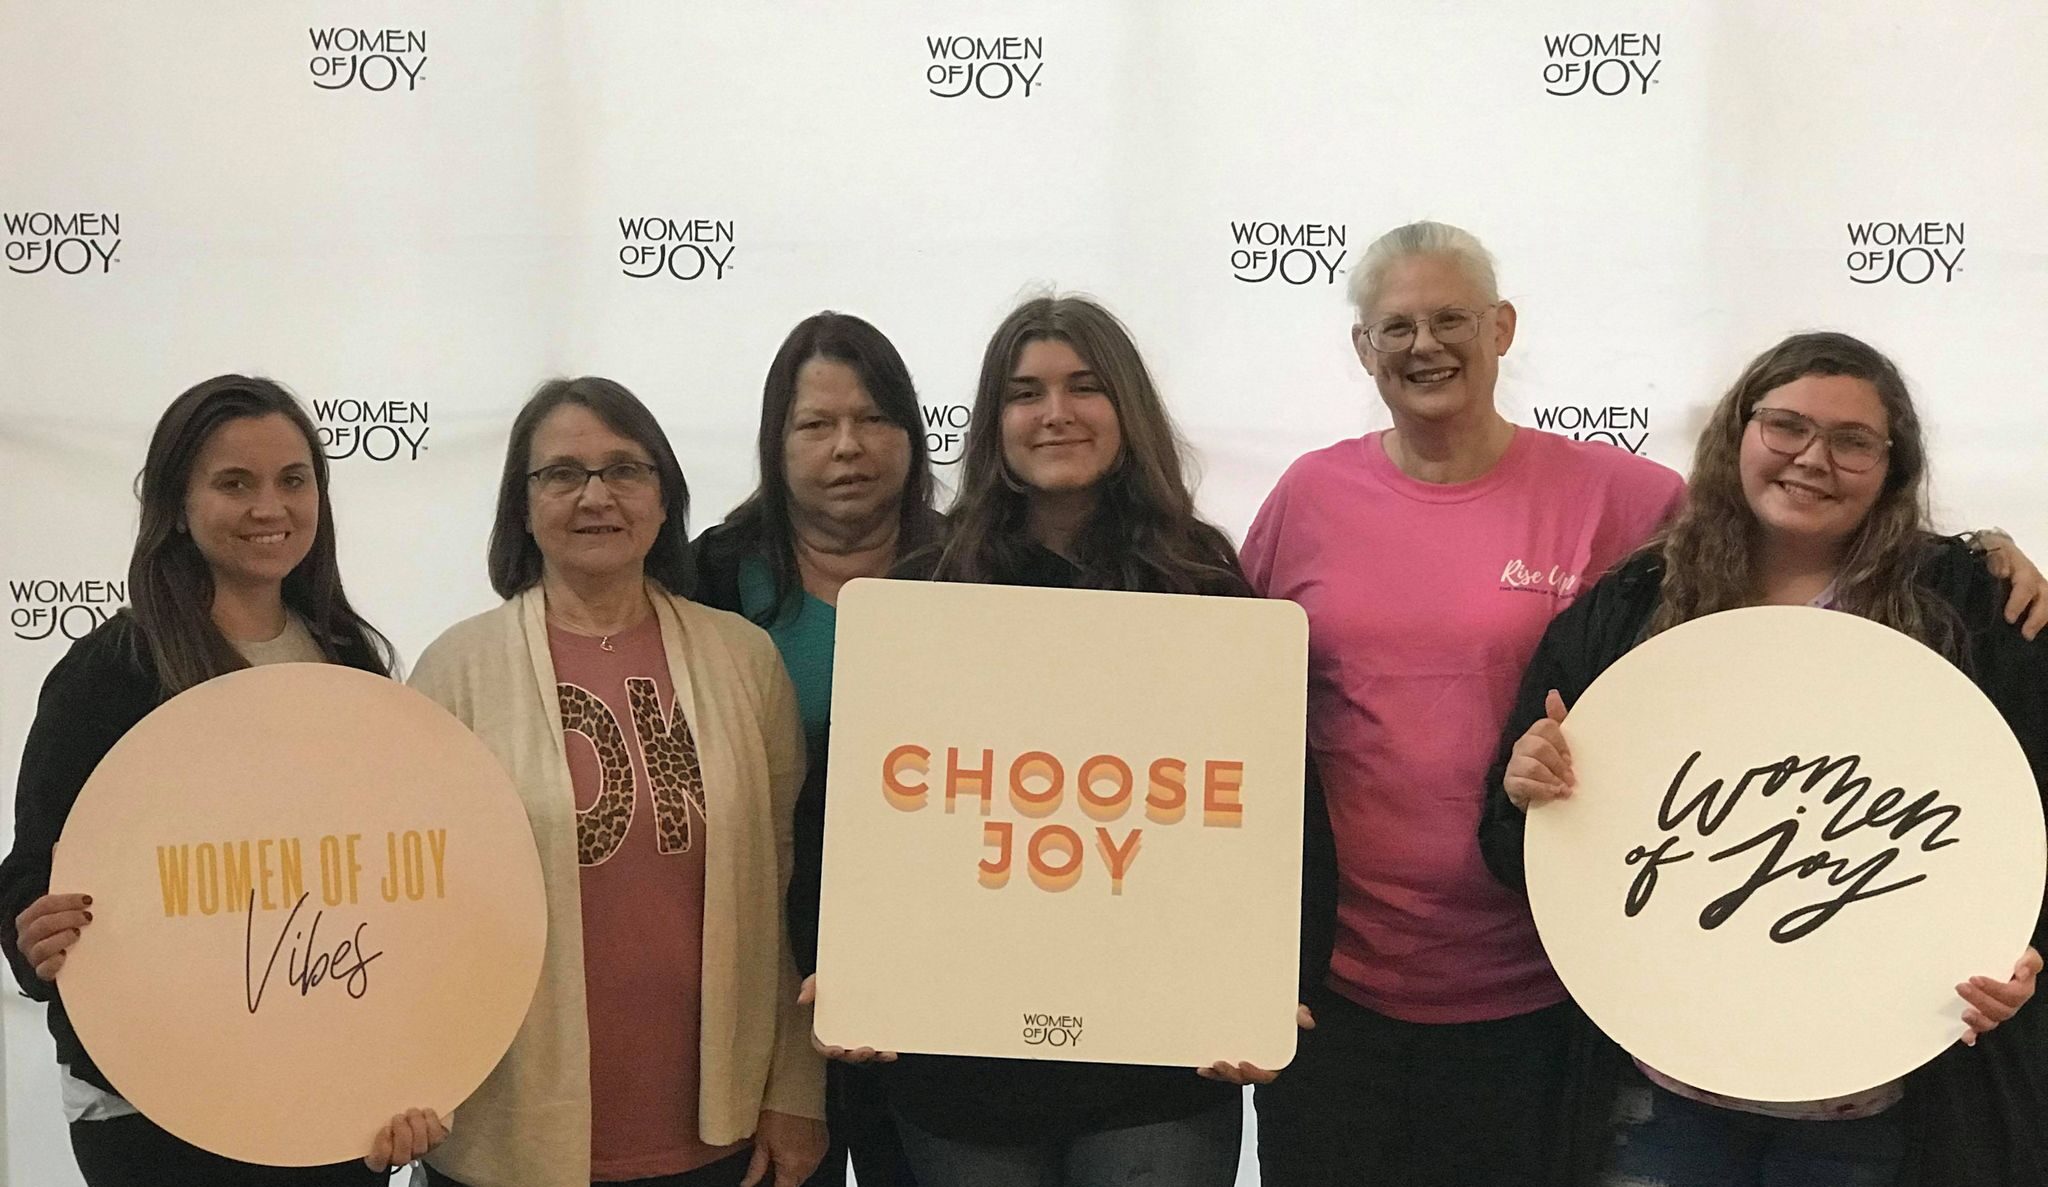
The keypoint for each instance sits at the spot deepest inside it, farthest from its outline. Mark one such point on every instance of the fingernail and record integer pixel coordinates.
(88, 900)
(88, 916)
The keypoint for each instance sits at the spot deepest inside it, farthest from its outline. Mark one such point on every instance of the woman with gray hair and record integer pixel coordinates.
(1429, 558)
(656, 746)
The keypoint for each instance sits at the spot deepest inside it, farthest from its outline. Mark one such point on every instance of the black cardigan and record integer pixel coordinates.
(1975, 1116)
(102, 687)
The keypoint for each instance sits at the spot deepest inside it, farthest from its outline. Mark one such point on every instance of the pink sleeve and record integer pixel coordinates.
(1645, 501)
(1674, 498)
(1262, 542)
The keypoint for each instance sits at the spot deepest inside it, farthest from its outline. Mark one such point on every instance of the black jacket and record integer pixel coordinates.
(101, 688)
(718, 555)
(1976, 1116)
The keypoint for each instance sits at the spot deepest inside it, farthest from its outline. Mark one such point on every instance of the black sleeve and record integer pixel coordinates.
(2010, 670)
(1318, 883)
(1578, 645)
(801, 903)
(1979, 1108)
(89, 700)
(715, 556)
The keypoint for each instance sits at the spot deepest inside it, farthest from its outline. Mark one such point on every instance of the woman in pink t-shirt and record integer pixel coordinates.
(1808, 488)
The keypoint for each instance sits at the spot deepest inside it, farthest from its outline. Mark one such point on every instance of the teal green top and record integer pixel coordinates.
(803, 634)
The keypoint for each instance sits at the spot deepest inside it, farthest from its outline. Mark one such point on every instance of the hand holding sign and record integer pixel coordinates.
(1994, 1002)
(1540, 768)
(807, 994)
(410, 1135)
(1244, 1075)
(47, 928)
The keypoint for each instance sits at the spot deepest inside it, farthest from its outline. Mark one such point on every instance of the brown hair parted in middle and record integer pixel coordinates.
(761, 523)
(1710, 549)
(515, 560)
(1145, 534)
(170, 586)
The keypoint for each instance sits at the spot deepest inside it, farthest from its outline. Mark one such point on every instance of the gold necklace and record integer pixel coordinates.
(604, 639)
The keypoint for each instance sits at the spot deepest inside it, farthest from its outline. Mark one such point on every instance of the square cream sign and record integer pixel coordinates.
(1063, 824)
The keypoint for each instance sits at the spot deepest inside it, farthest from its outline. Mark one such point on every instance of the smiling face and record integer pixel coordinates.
(1807, 499)
(1431, 380)
(843, 460)
(596, 532)
(1061, 434)
(252, 505)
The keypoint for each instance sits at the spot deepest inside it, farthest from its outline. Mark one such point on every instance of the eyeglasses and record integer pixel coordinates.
(1449, 326)
(562, 480)
(1853, 448)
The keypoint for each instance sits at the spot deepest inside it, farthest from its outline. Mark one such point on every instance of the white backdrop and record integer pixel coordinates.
(418, 207)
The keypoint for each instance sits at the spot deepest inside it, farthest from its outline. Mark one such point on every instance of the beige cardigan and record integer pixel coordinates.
(528, 1125)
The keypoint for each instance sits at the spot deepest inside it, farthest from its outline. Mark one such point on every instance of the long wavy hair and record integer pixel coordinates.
(1710, 550)
(170, 585)
(514, 559)
(1145, 534)
(763, 518)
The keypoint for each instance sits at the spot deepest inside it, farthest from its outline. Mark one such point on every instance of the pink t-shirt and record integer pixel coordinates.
(640, 839)
(1424, 604)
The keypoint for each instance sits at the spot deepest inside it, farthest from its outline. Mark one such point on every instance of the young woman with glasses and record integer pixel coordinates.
(1809, 488)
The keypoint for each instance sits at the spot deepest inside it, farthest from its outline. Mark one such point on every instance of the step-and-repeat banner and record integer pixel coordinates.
(411, 213)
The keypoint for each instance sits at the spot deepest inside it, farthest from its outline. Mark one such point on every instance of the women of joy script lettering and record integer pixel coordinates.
(1807, 792)
(264, 875)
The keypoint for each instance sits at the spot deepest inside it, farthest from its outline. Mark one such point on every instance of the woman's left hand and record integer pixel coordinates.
(2029, 596)
(1242, 1074)
(794, 1146)
(408, 1136)
(1992, 1002)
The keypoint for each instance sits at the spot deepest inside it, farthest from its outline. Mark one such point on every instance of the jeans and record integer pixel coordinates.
(1197, 1151)
(1664, 1140)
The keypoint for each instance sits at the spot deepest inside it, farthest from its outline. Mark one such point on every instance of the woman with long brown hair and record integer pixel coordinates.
(234, 566)
(1809, 487)
(1070, 452)
(1072, 477)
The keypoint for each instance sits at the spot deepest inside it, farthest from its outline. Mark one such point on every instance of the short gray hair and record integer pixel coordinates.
(1421, 239)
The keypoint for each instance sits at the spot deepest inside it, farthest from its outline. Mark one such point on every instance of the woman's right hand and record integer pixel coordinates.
(1540, 766)
(808, 994)
(47, 929)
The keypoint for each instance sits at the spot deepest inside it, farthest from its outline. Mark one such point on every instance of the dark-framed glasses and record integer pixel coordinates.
(621, 478)
(1449, 325)
(1853, 448)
